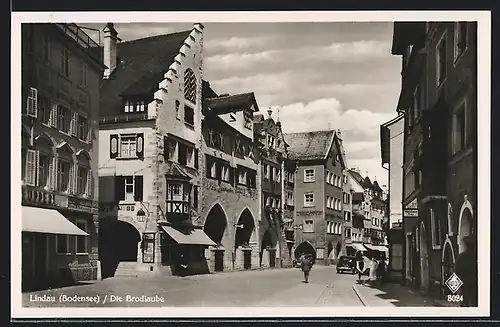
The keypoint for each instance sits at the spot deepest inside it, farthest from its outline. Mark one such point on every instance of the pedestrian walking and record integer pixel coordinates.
(381, 268)
(373, 270)
(466, 270)
(306, 265)
(360, 265)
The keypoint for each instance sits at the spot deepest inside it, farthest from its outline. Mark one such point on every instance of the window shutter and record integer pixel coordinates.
(74, 124)
(113, 146)
(53, 115)
(166, 147)
(75, 180)
(71, 181)
(196, 162)
(89, 184)
(119, 188)
(32, 104)
(52, 174)
(30, 167)
(139, 149)
(138, 188)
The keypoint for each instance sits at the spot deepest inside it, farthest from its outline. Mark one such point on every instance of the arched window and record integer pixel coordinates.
(190, 85)
(65, 169)
(38, 162)
(83, 185)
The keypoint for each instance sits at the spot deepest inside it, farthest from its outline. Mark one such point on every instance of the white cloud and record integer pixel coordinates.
(357, 51)
(237, 43)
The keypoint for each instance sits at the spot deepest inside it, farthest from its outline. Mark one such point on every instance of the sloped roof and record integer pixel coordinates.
(177, 171)
(367, 183)
(356, 176)
(376, 186)
(309, 145)
(141, 65)
(230, 102)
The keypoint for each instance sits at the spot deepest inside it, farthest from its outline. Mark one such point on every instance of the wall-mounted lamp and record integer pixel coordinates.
(301, 227)
(141, 215)
(239, 226)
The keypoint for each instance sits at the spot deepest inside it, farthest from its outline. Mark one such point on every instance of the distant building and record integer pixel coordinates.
(439, 100)
(273, 248)
(318, 193)
(60, 92)
(391, 143)
(347, 208)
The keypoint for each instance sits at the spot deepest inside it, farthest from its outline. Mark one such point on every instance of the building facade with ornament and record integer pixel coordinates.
(59, 160)
(439, 101)
(149, 144)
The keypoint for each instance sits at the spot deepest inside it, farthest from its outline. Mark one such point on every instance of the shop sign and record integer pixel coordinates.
(412, 205)
(411, 212)
(82, 205)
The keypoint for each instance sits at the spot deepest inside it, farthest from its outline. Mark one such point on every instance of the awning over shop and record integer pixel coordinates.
(357, 247)
(48, 221)
(195, 236)
(380, 248)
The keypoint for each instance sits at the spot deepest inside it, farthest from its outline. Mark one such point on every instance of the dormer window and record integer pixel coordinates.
(135, 106)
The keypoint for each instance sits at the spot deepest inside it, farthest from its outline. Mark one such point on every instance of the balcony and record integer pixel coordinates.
(132, 117)
(36, 196)
(81, 38)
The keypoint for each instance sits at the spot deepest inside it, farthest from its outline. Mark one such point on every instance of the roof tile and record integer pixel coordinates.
(309, 145)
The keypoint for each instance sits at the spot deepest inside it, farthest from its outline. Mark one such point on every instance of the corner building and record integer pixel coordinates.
(60, 92)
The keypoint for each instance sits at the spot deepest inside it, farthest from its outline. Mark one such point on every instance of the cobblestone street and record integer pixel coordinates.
(279, 287)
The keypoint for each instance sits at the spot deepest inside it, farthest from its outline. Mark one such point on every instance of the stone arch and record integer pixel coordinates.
(64, 146)
(424, 256)
(330, 254)
(465, 223)
(305, 248)
(83, 154)
(215, 225)
(245, 228)
(256, 223)
(447, 260)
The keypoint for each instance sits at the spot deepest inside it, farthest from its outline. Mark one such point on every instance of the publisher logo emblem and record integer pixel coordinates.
(454, 283)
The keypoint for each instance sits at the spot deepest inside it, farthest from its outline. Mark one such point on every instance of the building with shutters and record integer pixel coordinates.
(274, 251)
(439, 102)
(149, 145)
(230, 192)
(60, 92)
(318, 193)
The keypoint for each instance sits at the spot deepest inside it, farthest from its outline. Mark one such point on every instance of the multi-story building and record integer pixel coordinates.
(347, 190)
(439, 96)
(391, 144)
(288, 202)
(231, 181)
(318, 193)
(271, 157)
(369, 213)
(149, 147)
(60, 91)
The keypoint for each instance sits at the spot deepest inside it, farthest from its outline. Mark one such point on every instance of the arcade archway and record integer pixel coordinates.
(119, 242)
(305, 248)
(466, 228)
(244, 229)
(268, 248)
(338, 250)
(215, 227)
(330, 253)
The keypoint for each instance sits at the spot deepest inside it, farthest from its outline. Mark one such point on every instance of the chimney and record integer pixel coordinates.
(110, 48)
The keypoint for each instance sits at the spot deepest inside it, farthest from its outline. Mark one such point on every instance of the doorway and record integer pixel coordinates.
(247, 259)
(219, 260)
(272, 258)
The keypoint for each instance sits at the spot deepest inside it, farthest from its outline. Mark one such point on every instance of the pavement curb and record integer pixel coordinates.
(358, 294)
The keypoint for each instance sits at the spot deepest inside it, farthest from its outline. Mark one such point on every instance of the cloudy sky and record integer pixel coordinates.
(319, 75)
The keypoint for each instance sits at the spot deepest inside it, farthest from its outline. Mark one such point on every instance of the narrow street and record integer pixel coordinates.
(278, 287)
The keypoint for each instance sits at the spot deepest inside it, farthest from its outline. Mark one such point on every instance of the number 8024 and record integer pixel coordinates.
(455, 298)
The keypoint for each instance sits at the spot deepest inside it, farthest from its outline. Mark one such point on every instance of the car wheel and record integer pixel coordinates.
(338, 272)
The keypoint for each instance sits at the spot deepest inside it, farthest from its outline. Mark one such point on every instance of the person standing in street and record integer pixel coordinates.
(373, 270)
(360, 266)
(306, 267)
(466, 270)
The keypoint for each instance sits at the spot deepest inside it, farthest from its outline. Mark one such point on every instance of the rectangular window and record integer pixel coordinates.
(129, 188)
(43, 109)
(242, 177)
(175, 192)
(63, 119)
(266, 171)
(189, 115)
(62, 244)
(134, 106)
(65, 62)
(278, 175)
(189, 157)
(460, 39)
(459, 129)
(308, 226)
(308, 175)
(128, 146)
(172, 150)
(63, 169)
(81, 185)
(441, 61)
(247, 123)
(211, 168)
(80, 240)
(309, 200)
(182, 154)
(83, 128)
(225, 173)
(31, 167)
(43, 170)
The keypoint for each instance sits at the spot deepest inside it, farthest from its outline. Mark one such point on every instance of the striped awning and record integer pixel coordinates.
(195, 236)
(357, 246)
(380, 248)
(48, 221)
